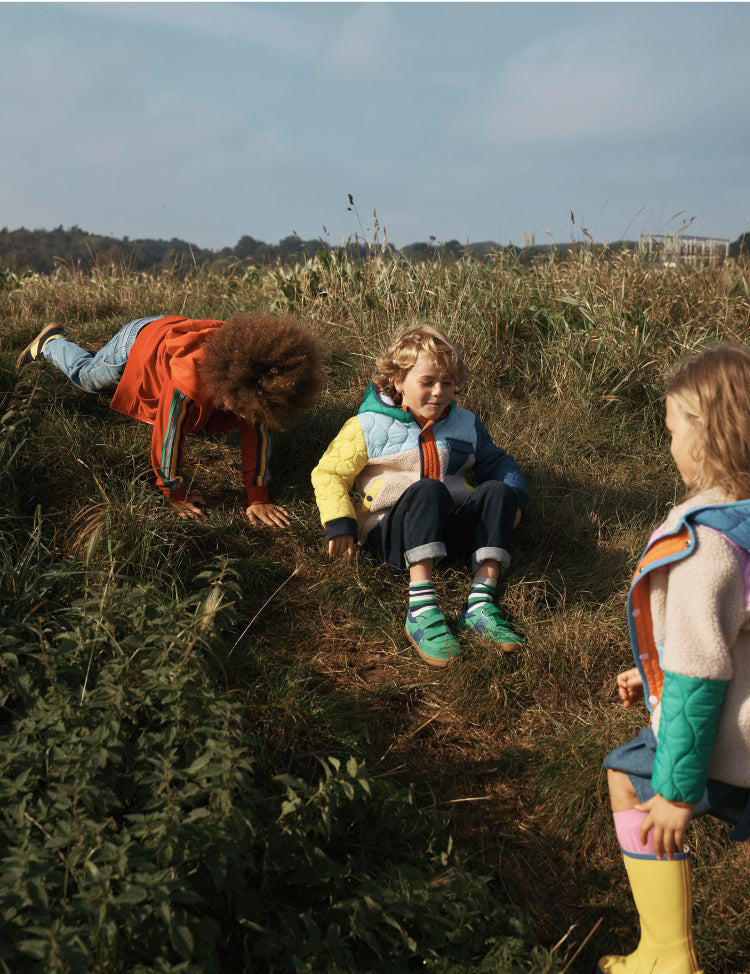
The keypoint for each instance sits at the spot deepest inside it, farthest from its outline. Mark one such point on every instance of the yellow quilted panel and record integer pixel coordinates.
(334, 476)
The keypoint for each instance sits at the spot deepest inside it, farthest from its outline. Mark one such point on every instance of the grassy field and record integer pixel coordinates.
(218, 751)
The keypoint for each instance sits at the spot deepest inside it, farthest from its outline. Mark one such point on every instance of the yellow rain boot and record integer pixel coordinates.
(662, 890)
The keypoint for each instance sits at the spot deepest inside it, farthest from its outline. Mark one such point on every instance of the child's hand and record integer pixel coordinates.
(193, 506)
(342, 547)
(273, 515)
(669, 820)
(630, 687)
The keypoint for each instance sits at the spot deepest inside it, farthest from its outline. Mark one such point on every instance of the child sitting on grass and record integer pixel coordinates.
(689, 616)
(253, 372)
(410, 451)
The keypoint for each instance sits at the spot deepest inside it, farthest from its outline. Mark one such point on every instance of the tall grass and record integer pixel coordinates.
(217, 741)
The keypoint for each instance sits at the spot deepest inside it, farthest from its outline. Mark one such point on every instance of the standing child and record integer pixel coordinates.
(689, 619)
(410, 450)
(253, 372)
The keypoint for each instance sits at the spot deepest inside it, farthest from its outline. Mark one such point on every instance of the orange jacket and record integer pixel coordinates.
(162, 385)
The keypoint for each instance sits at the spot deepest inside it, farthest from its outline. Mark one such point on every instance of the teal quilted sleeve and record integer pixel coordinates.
(687, 731)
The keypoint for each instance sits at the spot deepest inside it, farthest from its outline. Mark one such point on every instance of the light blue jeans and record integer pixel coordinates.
(100, 371)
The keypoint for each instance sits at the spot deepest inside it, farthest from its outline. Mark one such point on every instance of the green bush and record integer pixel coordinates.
(136, 834)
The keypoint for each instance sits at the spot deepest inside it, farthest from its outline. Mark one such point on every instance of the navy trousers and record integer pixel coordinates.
(425, 523)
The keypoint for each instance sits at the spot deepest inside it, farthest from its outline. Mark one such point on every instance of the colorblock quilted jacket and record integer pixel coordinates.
(383, 450)
(689, 621)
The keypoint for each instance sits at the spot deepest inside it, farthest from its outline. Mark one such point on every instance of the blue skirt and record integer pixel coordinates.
(729, 803)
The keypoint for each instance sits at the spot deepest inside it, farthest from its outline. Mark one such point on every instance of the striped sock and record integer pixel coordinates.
(422, 596)
(482, 591)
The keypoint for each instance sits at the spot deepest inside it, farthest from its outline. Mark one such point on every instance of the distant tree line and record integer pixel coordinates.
(41, 251)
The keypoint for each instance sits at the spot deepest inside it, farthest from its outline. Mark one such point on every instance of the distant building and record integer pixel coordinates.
(528, 240)
(679, 246)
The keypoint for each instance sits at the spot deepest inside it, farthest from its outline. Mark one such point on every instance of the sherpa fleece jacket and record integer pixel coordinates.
(162, 385)
(384, 450)
(689, 618)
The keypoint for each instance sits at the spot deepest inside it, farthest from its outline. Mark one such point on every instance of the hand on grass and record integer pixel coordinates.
(193, 506)
(272, 515)
(630, 687)
(669, 820)
(342, 547)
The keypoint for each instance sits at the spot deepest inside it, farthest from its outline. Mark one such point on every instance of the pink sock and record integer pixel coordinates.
(628, 829)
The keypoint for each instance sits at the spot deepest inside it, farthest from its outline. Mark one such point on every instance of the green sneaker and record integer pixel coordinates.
(487, 621)
(430, 636)
(33, 351)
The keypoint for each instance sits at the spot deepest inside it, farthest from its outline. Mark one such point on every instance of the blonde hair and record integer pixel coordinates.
(402, 354)
(713, 391)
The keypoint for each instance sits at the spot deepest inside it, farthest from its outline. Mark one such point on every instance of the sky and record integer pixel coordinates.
(457, 121)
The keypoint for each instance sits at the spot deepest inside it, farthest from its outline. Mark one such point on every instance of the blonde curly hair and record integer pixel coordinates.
(713, 391)
(402, 354)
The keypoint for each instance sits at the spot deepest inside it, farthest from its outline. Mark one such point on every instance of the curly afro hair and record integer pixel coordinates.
(267, 369)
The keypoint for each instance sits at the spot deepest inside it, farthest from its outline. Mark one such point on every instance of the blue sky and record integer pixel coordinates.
(466, 121)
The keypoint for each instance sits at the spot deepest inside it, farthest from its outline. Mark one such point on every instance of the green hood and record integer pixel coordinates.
(373, 402)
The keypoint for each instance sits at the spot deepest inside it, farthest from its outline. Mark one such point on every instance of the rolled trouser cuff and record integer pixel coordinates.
(482, 555)
(435, 550)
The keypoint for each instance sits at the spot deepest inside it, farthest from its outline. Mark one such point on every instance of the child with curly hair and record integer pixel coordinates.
(689, 618)
(254, 372)
(411, 452)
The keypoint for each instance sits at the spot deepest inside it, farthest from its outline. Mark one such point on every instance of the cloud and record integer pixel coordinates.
(365, 42)
(334, 39)
(48, 80)
(636, 74)
(557, 90)
(262, 25)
